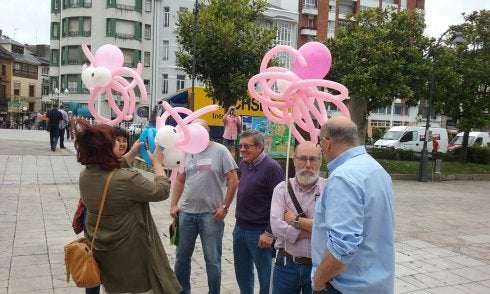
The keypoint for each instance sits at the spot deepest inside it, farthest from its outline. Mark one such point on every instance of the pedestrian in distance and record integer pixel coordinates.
(292, 225)
(54, 117)
(207, 188)
(69, 129)
(232, 124)
(63, 126)
(353, 247)
(252, 235)
(128, 249)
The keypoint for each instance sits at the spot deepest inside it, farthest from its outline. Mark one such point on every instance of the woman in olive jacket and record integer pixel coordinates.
(127, 247)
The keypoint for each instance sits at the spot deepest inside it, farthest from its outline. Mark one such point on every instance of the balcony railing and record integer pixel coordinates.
(126, 7)
(124, 36)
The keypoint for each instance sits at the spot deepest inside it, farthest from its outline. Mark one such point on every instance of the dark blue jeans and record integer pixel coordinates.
(290, 277)
(246, 253)
(95, 290)
(54, 134)
(329, 290)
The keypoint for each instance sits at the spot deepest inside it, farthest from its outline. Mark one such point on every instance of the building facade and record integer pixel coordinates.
(127, 24)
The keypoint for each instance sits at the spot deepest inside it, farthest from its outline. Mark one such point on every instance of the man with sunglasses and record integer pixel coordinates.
(353, 247)
(252, 235)
(292, 228)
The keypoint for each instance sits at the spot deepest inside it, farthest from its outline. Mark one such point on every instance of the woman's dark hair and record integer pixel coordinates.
(95, 145)
(120, 132)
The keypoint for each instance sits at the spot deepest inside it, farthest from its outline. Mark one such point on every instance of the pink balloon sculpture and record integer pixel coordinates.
(298, 99)
(104, 75)
(192, 138)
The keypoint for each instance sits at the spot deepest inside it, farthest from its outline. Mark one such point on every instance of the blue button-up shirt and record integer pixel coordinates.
(354, 221)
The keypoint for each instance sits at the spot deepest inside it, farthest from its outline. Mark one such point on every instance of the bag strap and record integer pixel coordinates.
(102, 203)
(300, 211)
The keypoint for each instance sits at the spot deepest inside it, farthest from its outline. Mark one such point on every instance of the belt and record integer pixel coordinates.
(295, 259)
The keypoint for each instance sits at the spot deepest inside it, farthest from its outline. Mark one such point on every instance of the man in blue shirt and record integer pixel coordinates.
(353, 247)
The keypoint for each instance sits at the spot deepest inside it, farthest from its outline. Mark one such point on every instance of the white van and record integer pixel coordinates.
(412, 138)
(475, 138)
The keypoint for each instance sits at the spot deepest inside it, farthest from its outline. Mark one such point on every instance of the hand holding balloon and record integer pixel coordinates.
(157, 159)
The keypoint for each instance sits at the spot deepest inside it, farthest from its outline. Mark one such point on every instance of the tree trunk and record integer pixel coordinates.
(358, 113)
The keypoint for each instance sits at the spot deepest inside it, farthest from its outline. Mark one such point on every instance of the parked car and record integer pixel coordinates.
(412, 138)
(474, 139)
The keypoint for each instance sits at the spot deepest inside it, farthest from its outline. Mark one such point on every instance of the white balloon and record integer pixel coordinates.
(96, 76)
(172, 157)
(167, 136)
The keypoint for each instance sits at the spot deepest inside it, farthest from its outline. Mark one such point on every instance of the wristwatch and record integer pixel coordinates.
(296, 222)
(225, 207)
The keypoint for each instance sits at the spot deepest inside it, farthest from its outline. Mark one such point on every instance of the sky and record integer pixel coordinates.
(27, 21)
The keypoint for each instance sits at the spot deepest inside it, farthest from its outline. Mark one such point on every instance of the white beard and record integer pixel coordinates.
(307, 177)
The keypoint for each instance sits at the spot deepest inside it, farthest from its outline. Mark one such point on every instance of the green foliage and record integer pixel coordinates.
(462, 75)
(475, 154)
(394, 154)
(412, 167)
(377, 134)
(378, 56)
(230, 44)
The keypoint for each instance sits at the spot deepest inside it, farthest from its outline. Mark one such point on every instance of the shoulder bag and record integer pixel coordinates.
(300, 211)
(79, 260)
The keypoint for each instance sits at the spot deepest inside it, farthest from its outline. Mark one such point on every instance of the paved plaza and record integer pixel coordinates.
(442, 229)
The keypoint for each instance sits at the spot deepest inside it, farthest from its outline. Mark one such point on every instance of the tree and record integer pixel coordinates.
(462, 90)
(230, 44)
(379, 57)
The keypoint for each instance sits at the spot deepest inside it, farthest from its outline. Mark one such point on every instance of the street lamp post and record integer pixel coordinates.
(424, 157)
(194, 36)
(58, 93)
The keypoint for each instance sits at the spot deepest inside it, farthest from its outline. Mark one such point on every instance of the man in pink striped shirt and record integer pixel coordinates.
(293, 229)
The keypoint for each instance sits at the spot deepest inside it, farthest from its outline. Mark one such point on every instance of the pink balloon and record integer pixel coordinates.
(198, 139)
(318, 59)
(109, 56)
(298, 103)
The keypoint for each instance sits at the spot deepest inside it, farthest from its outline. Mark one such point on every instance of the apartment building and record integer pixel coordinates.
(127, 24)
(20, 82)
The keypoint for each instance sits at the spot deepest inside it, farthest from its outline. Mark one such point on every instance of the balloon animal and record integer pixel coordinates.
(104, 76)
(298, 99)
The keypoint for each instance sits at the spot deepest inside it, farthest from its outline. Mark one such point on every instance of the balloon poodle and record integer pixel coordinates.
(104, 76)
(297, 98)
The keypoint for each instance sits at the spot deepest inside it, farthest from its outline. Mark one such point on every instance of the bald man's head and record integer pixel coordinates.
(341, 130)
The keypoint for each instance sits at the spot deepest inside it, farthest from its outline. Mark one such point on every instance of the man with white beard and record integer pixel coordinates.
(292, 228)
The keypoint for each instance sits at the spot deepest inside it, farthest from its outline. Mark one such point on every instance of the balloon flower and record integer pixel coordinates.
(289, 97)
(104, 76)
(185, 138)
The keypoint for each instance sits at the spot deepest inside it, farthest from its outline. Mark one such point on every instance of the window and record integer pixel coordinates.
(87, 26)
(55, 57)
(311, 23)
(284, 32)
(164, 83)
(87, 3)
(147, 57)
(31, 91)
(16, 88)
(331, 26)
(73, 81)
(55, 30)
(180, 82)
(73, 27)
(310, 4)
(4, 69)
(128, 57)
(147, 31)
(166, 50)
(166, 17)
(72, 55)
(148, 5)
(147, 85)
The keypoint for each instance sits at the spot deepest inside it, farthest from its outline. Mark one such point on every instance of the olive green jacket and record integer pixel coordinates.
(127, 248)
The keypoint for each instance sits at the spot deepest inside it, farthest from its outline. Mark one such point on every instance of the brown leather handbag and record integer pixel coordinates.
(79, 260)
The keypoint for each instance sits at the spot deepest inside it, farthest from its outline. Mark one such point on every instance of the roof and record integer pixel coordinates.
(4, 54)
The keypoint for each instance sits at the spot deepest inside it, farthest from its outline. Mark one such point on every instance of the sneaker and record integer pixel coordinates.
(63, 147)
(53, 149)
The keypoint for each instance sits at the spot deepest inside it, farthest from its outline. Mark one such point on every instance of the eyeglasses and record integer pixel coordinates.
(245, 146)
(304, 159)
